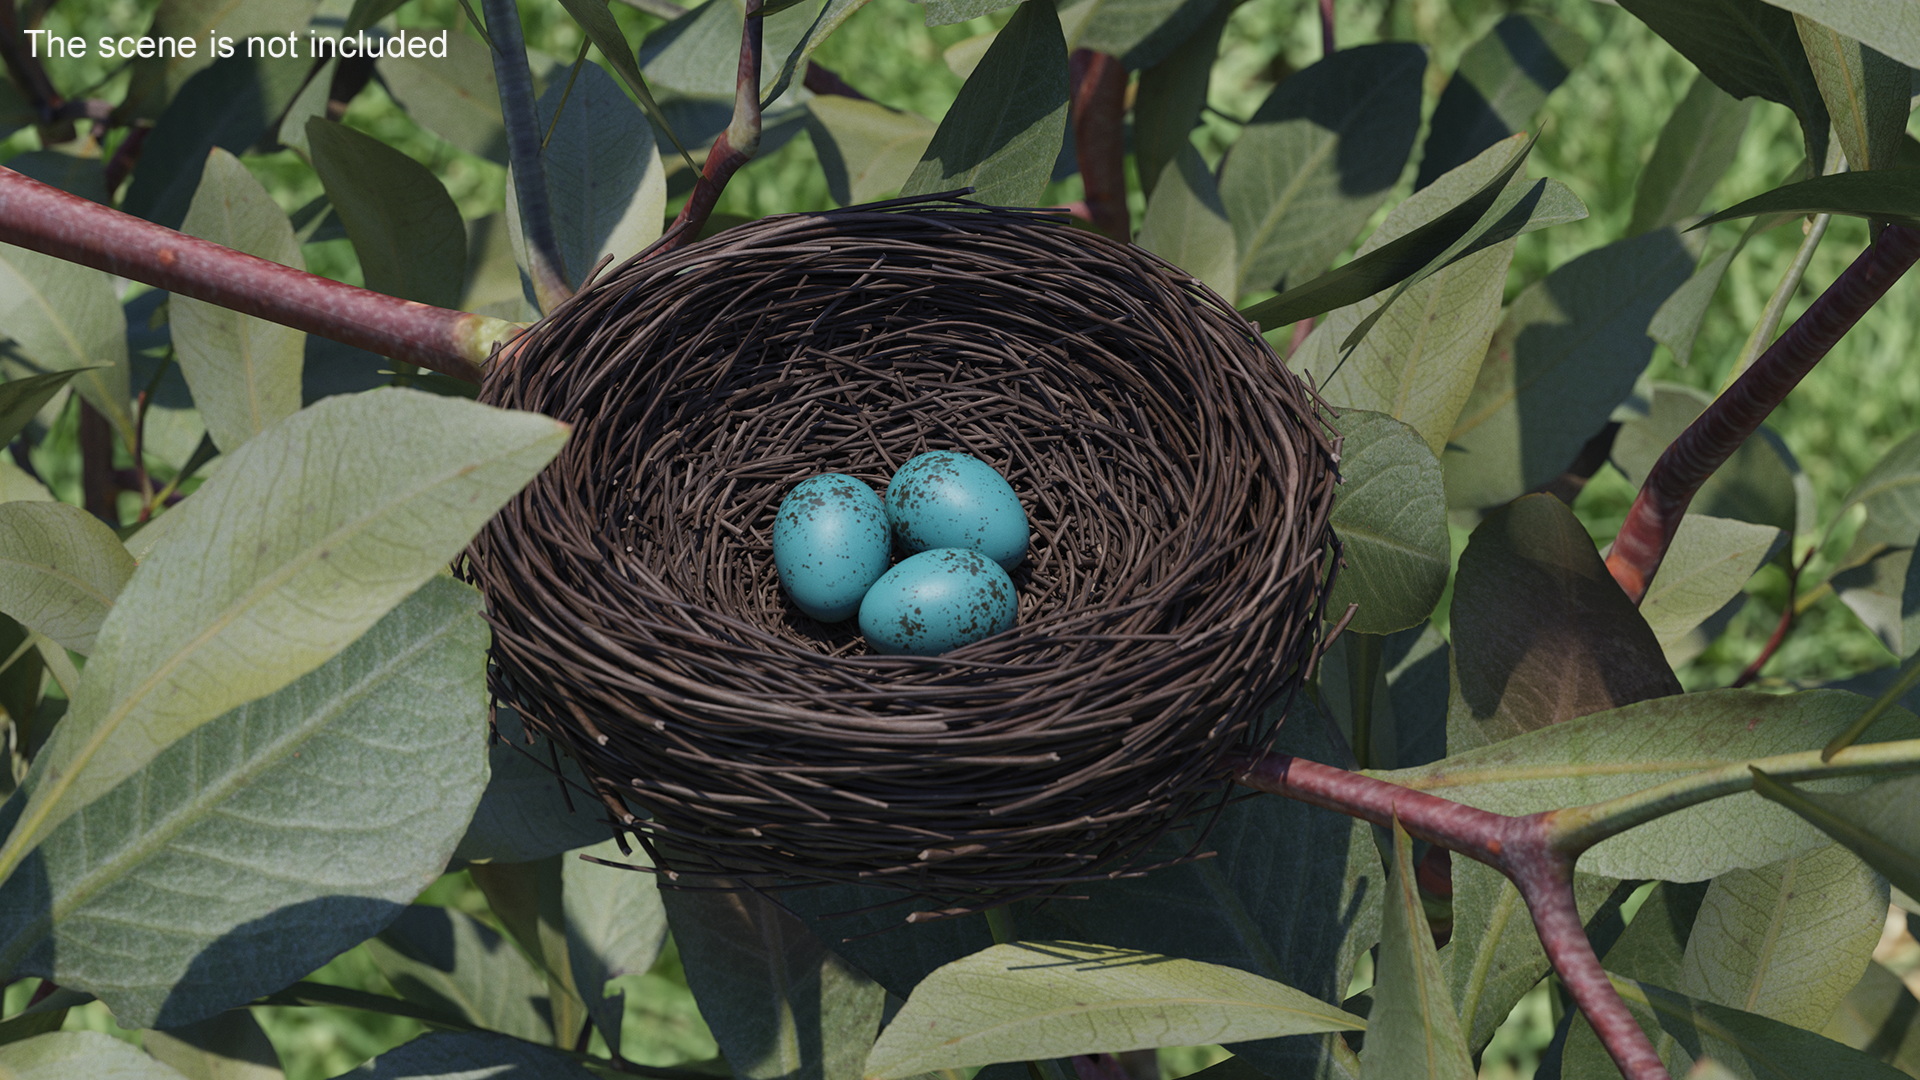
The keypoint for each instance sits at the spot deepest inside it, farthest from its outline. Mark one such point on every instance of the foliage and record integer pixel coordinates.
(251, 805)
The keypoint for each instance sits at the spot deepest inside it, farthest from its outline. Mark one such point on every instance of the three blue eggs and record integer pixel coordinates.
(958, 520)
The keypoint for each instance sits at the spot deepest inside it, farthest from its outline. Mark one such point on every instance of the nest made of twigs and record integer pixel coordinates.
(1178, 480)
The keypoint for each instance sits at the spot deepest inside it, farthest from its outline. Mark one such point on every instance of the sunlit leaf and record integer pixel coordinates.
(832, 14)
(1390, 515)
(64, 1055)
(1141, 33)
(244, 371)
(1750, 1047)
(866, 149)
(1760, 483)
(268, 841)
(616, 927)
(1866, 92)
(65, 317)
(1695, 149)
(1708, 564)
(1004, 131)
(1316, 159)
(60, 569)
(1876, 592)
(1880, 824)
(1186, 224)
(1635, 747)
(21, 399)
(1412, 1031)
(454, 96)
(1893, 29)
(1047, 999)
(1889, 195)
(462, 969)
(299, 543)
(1890, 492)
(1879, 1017)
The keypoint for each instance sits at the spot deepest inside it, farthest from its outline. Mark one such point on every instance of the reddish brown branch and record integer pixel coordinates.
(1519, 847)
(33, 215)
(1784, 626)
(1099, 138)
(1736, 414)
(1326, 27)
(99, 489)
(735, 146)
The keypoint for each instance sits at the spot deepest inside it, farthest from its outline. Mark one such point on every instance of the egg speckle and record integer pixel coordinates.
(830, 543)
(944, 499)
(936, 601)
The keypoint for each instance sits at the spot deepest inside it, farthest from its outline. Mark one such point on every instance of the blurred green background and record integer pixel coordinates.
(1598, 129)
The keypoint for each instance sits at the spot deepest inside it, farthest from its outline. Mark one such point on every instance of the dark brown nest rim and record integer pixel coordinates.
(1178, 480)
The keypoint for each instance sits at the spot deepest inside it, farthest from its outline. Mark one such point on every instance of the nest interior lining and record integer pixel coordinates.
(1174, 475)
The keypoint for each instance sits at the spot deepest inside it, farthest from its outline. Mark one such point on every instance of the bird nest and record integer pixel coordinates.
(1177, 478)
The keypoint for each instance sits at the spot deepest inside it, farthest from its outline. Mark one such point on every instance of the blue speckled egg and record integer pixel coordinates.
(937, 600)
(948, 500)
(829, 544)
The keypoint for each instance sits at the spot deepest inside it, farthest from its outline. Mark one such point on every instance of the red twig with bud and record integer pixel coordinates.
(1735, 415)
(735, 146)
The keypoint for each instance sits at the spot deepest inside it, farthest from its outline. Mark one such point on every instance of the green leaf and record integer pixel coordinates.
(64, 317)
(265, 843)
(698, 53)
(832, 14)
(1187, 225)
(1891, 494)
(1866, 93)
(1695, 149)
(594, 17)
(1390, 514)
(1910, 611)
(1893, 29)
(1047, 999)
(780, 1004)
(1500, 209)
(1418, 362)
(1140, 32)
(605, 182)
(1878, 1017)
(454, 96)
(230, 1046)
(60, 569)
(526, 899)
(1751, 1047)
(1541, 632)
(1880, 824)
(1888, 194)
(71, 173)
(616, 927)
(1494, 955)
(1005, 129)
(528, 812)
(64, 1055)
(1758, 484)
(1566, 354)
(1747, 47)
(288, 553)
(470, 1055)
(1499, 86)
(866, 149)
(1412, 1031)
(948, 12)
(245, 372)
(403, 223)
(1787, 940)
(1677, 322)
(366, 13)
(231, 105)
(1639, 746)
(1875, 591)
(462, 969)
(157, 80)
(22, 399)
(1318, 156)
(1706, 567)
(1169, 98)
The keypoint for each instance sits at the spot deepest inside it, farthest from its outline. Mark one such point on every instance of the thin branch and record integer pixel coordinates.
(1785, 626)
(1522, 848)
(47, 220)
(547, 269)
(1326, 28)
(99, 493)
(1736, 414)
(1098, 112)
(735, 146)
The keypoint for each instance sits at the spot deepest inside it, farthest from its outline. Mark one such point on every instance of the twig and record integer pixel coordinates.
(735, 146)
(99, 493)
(1784, 626)
(1099, 137)
(1326, 28)
(1736, 414)
(47, 220)
(1522, 848)
(547, 269)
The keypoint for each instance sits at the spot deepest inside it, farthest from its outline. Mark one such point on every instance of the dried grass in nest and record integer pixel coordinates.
(1177, 478)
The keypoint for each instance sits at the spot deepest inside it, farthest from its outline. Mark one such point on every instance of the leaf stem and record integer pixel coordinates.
(1736, 414)
(1098, 112)
(547, 269)
(735, 146)
(1909, 675)
(47, 220)
(1581, 827)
